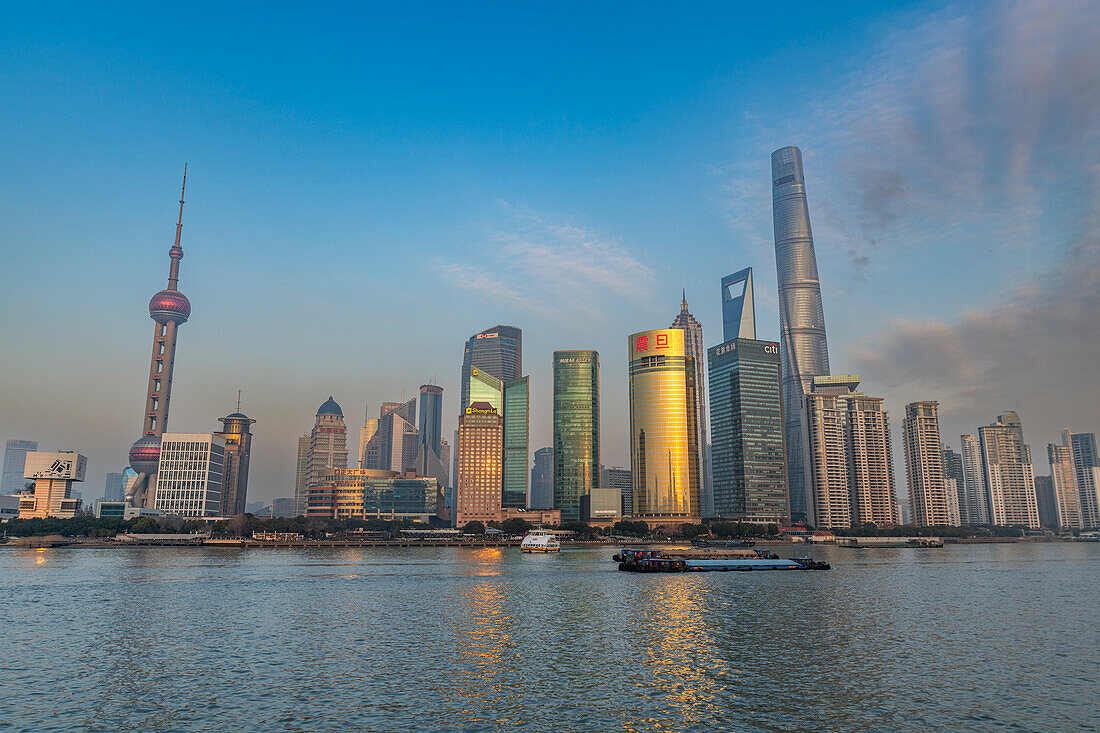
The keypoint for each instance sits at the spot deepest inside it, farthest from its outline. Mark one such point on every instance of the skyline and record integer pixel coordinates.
(587, 250)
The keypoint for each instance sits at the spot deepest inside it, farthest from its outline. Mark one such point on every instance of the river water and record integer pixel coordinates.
(975, 638)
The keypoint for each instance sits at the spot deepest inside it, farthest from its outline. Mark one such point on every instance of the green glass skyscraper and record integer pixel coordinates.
(516, 430)
(576, 433)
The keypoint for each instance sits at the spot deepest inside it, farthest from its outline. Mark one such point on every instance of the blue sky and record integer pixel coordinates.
(369, 186)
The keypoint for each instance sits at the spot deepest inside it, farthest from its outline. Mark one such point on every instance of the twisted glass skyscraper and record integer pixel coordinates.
(803, 351)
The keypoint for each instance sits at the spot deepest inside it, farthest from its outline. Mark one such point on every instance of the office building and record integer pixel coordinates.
(693, 347)
(480, 471)
(849, 466)
(1046, 502)
(113, 490)
(15, 458)
(1008, 473)
(924, 465)
(1086, 464)
(328, 442)
(664, 448)
(169, 310)
(803, 350)
(191, 475)
(542, 480)
(1064, 477)
(577, 434)
(370, 427)
(747, 454)
(53, 475)
(358, 493)
(431, 459)
(617, 479)
(738, 308)
(397, 440)
(974, 510)
(497, 351)
(301, 476)
(517, 429)
(237, 434)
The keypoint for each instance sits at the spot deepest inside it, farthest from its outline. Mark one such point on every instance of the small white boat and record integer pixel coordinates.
(540, 540)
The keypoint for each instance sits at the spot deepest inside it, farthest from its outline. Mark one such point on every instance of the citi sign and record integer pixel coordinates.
(771, 349)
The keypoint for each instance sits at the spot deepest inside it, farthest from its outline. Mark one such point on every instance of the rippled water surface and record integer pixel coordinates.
(980, 637)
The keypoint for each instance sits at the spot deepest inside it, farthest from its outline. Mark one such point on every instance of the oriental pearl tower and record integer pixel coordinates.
(169, 309)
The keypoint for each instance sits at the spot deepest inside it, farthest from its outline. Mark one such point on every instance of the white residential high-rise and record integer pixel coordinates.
(1086, 463)
(928, 498)
(1064, 476)
(189, 480)
(848, 464)
(975, 510)
(1008, 473)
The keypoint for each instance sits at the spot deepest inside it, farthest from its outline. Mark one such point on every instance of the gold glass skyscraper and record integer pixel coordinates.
(664, 446)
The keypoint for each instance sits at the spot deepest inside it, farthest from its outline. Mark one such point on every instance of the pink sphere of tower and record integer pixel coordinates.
(169, 305)
(145, 454)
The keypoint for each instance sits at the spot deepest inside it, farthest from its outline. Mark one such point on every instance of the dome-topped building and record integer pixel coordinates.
(330, 408)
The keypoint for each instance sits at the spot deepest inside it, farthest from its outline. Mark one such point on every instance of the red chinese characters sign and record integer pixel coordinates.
(641, 343)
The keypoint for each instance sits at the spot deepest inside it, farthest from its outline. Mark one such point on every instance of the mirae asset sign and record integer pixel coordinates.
(732, 346)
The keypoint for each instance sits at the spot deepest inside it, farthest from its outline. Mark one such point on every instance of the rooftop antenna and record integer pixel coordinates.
(238, 400)
(176, 253)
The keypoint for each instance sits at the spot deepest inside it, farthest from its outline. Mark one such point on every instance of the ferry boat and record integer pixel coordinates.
(677, 561)
(540, 540)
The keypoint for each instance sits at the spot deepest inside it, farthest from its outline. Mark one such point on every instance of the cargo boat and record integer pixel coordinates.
(862, 543)
(695, 560)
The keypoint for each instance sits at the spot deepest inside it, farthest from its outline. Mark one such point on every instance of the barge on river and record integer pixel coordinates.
(697, 560)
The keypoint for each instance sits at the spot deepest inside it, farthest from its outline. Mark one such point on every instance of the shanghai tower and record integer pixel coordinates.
(803, 351)
(169, 309)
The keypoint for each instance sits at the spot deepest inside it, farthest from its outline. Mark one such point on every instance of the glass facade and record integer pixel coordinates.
(803, 349)
(498, 351)
(481, 386)
(516, 430)
(190, 477)
(664, 450)
(748, 454)
(576, 451)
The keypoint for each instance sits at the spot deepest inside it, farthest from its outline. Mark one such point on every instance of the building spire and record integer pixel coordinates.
(176, 253)
(684, 302)
(238, 400)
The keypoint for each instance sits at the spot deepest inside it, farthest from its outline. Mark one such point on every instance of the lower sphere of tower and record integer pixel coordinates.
(145, 454)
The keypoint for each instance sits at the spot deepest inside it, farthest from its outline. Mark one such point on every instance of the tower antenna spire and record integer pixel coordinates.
(179, 222)
(238, 400)
(176, 253)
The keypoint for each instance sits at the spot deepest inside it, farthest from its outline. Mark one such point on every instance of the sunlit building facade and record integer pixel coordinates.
(695, 348)
(53, 475)
(664, 449)
(480, 471)
(1009, 474)
(237, 434)
(328, 442)
(191, 475)
(497, 351)
(375, 494)
(1064, 476)
(576, 433)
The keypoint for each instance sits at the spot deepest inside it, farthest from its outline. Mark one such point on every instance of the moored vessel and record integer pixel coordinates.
(695, 560)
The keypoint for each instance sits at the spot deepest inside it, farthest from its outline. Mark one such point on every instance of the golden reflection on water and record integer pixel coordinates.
(686, 669)
(486, 648)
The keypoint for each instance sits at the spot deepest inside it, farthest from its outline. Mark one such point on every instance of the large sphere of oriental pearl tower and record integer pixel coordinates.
(145, 454)
(169, 305)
